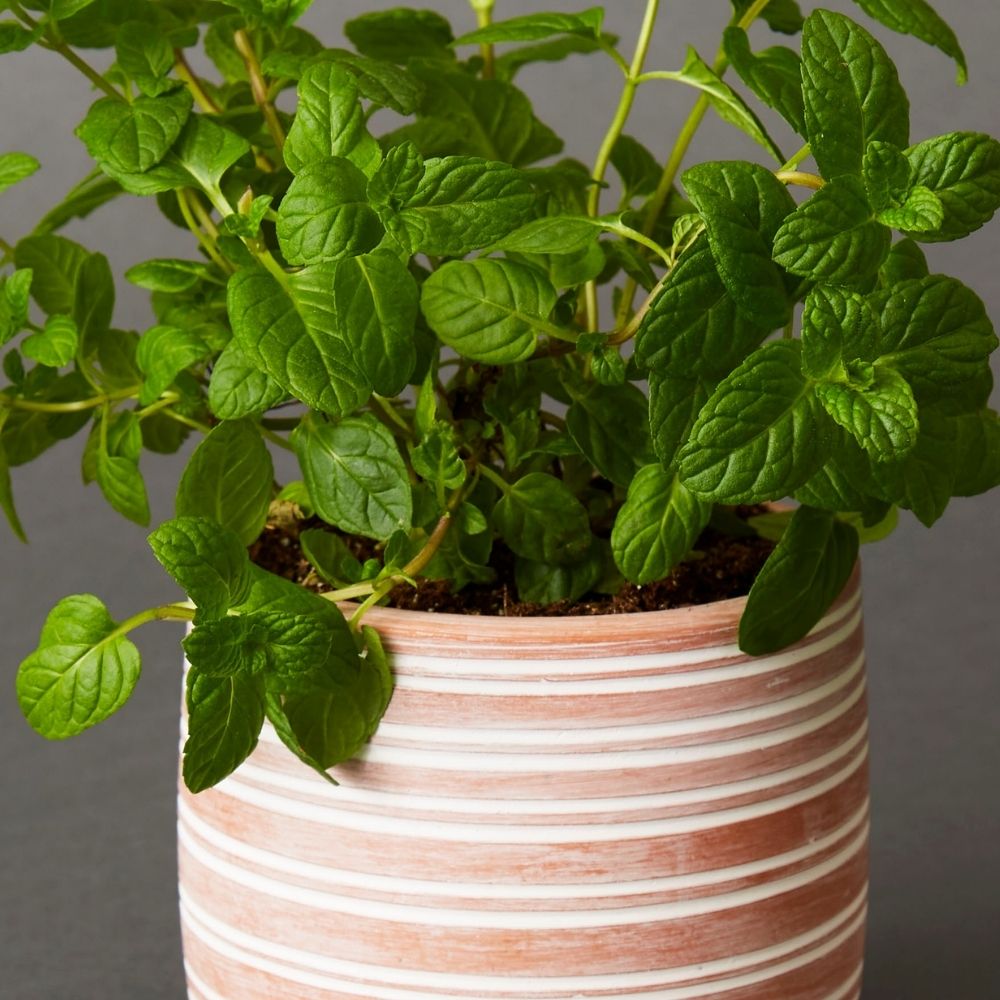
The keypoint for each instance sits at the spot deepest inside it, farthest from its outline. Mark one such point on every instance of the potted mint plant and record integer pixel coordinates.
(542, 428)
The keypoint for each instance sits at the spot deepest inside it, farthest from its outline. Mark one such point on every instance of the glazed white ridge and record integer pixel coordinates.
(483, 890)
(535, 984)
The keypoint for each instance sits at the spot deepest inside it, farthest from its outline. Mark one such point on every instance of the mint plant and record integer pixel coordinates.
(420, 315)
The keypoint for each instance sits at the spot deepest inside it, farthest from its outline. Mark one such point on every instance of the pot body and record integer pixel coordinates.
(616, 806)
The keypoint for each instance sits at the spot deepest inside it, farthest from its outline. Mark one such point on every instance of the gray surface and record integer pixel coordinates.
(87, 894)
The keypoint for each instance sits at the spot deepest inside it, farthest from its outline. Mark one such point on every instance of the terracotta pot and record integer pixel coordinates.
(568, 807)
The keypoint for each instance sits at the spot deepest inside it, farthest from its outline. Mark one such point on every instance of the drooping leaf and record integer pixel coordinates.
(773, 74)
(539, 518)
(169, 274)
(90, 194)
(55, 263)
(55, 345)
(163, 353)
(535, 27)
(117, 467)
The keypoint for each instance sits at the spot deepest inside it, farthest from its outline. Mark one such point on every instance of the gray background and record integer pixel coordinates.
(87, 891)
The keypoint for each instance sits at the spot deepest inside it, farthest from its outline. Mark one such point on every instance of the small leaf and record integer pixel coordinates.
(169, 275)
(800, 580)
(436, 459)
(547, 583)
(539, 518)
(146, 57)
(55, 263)
(553, 234)
(534, 27)
(921, 212)
(237, 389)
(836, 324)
(356, 476)
(16, 167)
(83, 670)
(330, 557)
(657, 525)
(488, 310)
(209, 562)
(674, 405)
(55, 345)
(163, 353)
(397, 35)
(229, 480)
(82, 199)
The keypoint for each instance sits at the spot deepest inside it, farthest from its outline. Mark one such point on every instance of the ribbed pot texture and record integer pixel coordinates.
(618, 806)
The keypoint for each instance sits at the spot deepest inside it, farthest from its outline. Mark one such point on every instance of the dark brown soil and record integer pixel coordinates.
(722, 566)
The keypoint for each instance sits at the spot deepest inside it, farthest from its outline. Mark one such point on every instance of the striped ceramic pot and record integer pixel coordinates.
(569, 807)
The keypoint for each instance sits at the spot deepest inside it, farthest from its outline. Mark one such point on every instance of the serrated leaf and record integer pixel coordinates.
(329, 121)
(508, 64)
(773, 74)
(169, 275)
(83, 670)
(91, 193)
(163, 353)
(237, 389)
(332, 560)
(852, 93)
(693, 324)
(638, 169)
(380, 81)
(535, 27)
(608, 425)
(55, 263)
(207, 561)
(800, 580)
(488, 310)
(657, 525)
(397, 178)
(325, 214)
(225, 717)
(356, 476)
(963, 171)
(834, 236)
(553, 234)
(16, 167)
(228, 479)
(905, 261)
(743, 206)
(761, 434)
(881, 416)
(539, 518)
(920, 212)
(887, 175)
(399, 34)
(674, 405)
(132, 138)
(146, 57)
(835, 324)
(546, 583)
(463, 203)
(55, 345)
(918, 18)
(436, 459)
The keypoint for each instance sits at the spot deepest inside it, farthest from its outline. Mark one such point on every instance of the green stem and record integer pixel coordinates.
(794, 162)
(194, 84)
(495, 478)
(484, 18)
(614, 134)
(258, 87)
(276, 439)
(77, 406)
(281, 423)
(161, 404)
(179, 612)
(184, 202)
(397, 422)
(188, 421)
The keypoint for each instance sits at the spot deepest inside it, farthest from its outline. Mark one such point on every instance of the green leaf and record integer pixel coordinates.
(436, 459)
(539, 518)
(380, 82)
(852, 93)
(330, 557)
(282, 328)
(399, 34)
(7, 496)
(225, 717)
(762, 433)
(396, 179)
(639, 170)
(547, 583)
(246, 224)
(83, 670)
(329, 121)
(918, 18)
(14, 300)
(237, 389)
(881, 416)
(887, 175)
(935, 332)
(229, 480)
(276, 13)
(463, 203)
(800, 580)
(56, 263)
(674, 405)
(834, 236)
(325, 215)
(91, 193)
(693, 325)
(554, 234)
(132, 138)
(169, 275)
(163, 353)
(905, 261)
(978, 453)
(779, 15)
(921, 212)
(963, 170)
(534, 27)
(146, 57)
(58, 10)
(55, 345)
(657, 525)
(94, 305)
(14, 38)
(509, 64)
(609, 425)
(356, 476)
(728, 105)
(210, 563)
(488, 310)
(16, 167)
(834, 322)
(773, 74)
(743, 206)
(116, 467)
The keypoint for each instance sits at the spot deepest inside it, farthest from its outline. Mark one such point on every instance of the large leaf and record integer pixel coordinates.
(356, 476)
(488, 310)
(774, 75)
(657, 525)
(800, 580)
(762, 433)
(229, 480)
(56, 263)
(399, 34)
(852, 93)
(83, 670)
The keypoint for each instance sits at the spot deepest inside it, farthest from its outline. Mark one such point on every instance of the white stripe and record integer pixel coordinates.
(593, 737)
(232, 944)
(495, 762)
(549, 683)
(471, 665)
(547, 920)
(562, 891)
(487, 833)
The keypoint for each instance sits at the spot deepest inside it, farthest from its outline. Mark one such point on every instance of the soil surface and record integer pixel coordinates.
(722, 567)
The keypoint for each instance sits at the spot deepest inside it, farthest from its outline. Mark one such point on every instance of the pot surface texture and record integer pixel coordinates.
(617, 806)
